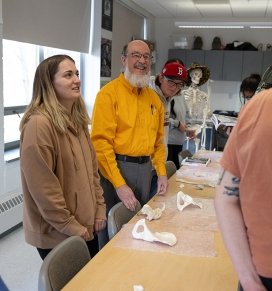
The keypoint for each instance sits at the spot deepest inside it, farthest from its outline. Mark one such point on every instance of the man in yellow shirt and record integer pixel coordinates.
(128, 131)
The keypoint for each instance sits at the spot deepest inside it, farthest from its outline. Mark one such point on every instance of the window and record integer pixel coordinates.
(20, 61)
(47, 52)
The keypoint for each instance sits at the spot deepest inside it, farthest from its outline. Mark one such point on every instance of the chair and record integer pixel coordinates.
(170, 168)
(3, 286)
(62, 263)
(118, 216)
(184, 154)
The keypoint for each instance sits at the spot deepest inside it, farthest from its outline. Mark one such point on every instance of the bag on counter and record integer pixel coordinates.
(240, 46)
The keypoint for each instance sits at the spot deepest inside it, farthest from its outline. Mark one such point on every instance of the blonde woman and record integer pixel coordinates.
(61, 187)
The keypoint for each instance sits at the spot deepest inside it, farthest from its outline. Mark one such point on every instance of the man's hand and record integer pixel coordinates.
(162, 185)
(127, 196)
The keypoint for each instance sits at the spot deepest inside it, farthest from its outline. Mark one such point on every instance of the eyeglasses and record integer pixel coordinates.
(137, 56)
(171, 83)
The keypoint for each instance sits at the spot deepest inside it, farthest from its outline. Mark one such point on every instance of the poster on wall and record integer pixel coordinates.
(105, 57)
(107, 6)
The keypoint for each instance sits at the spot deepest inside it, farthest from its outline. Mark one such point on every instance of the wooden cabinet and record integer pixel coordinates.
(226, 65)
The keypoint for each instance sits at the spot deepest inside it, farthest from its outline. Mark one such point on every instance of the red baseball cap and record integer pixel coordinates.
(175, 71)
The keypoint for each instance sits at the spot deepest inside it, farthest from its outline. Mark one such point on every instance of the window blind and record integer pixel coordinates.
(63, 24)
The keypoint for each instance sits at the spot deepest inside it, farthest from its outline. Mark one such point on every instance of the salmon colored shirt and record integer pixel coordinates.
(248, 156)
(127, 122)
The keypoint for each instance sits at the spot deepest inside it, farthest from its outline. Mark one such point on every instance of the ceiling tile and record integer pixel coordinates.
(249, 8)
(152, 7)
(269, 10)
(214, 11)
(226, 9)
(211, 2)
(184, 9)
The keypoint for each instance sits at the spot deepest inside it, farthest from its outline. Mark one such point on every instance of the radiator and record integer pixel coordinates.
(11, 211)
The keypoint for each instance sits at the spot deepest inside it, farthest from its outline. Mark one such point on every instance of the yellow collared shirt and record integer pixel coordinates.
(127, 122)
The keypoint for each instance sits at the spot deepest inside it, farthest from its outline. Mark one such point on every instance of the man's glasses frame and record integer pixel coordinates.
(137, 56)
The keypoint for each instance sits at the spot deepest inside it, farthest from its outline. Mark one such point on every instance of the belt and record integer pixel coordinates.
(129, 159)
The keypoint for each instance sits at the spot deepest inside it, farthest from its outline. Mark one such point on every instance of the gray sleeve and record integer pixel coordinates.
(173, 123)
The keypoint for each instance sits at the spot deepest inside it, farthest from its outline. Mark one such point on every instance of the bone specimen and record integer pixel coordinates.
(152, 213)
(183, 200)
(163, 237)
(138, 288)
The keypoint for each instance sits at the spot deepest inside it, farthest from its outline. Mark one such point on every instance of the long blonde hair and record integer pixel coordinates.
(44, 100)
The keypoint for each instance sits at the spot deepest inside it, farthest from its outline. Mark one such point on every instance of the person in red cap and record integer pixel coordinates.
(168, 84)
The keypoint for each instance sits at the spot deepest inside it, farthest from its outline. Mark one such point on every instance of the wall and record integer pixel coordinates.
(1, 109)
(10, 177)
(224, 95)
(123, 33)
(128, 23)
(91, 80)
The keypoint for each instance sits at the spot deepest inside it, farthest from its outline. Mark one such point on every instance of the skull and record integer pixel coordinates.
(196, 75)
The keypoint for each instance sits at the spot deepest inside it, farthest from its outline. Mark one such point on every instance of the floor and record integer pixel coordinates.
(19, 262)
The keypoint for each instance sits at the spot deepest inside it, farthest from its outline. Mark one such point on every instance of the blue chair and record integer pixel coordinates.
(3, 286)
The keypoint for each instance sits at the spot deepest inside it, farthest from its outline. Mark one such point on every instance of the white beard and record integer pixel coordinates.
(136, 80)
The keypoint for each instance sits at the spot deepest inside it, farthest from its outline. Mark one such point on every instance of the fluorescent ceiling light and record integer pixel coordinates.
(260, 26)
(222, 25)
(210, 26)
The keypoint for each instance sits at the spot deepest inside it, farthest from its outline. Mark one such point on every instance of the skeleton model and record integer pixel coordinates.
(198, 101)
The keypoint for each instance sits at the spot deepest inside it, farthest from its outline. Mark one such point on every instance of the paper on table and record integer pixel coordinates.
(201, 175)
(219, 119)
(192, 161)
(214, 156)
(195, 231)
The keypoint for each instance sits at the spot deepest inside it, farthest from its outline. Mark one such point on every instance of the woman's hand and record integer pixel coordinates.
(99, 224)
(182, 127)
(190, 133)
(85, 235)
